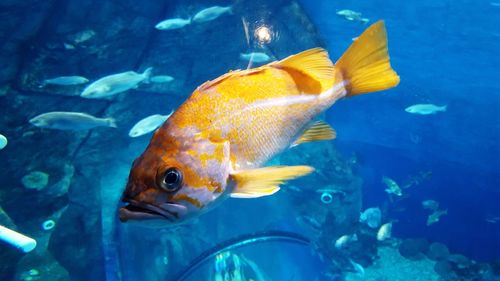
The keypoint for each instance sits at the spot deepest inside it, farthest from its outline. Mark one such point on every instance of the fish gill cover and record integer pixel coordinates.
(419, 162)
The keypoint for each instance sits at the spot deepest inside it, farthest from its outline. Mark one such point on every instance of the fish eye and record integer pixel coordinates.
(170, 180)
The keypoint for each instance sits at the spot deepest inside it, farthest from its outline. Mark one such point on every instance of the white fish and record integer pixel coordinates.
(115, 83)
(60, 120)
(3, 141)
(255, 57)
(372, 217)
(211, 13)
(82, 36)
(384, 231)
(344, 239)
(170, 24)
(148, 125)
(65, 81)
(434, 217)
(430, 205)
(392, 186)
(161, 79)
(69, 46)
(425, 109)
(357, 267)
(352, 15)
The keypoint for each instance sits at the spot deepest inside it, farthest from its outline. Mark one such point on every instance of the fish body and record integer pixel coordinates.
(425, 109)
(343, 240)
(215, 144)
(82, 36)
(161, 79)
(116, 83)
(256, 57)
(147, 125)
(70, 121)
(435, 216)
(170, 24)
(372, 217)
(211, 13)
(384, 232)
(358, 268)
(352, 15)
(3, 141)
(66, 80)
(392, 186)
(430, 204)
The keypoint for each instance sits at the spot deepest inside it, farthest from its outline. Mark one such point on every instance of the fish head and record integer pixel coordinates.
(411, 109)
(39, 121)
(175, 179)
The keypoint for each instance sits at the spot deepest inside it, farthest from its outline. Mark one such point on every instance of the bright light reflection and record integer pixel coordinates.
(263, 34)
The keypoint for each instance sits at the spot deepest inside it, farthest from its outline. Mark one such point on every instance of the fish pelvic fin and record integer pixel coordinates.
(312, 70)
(265, 181)
(365, 65)
(318, 131)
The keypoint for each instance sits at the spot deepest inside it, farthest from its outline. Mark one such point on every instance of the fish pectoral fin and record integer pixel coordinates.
(313, 63)
(265, 181)
(318, 131)
(104, 88)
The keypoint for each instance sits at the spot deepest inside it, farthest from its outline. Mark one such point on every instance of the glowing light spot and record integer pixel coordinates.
(263, 34)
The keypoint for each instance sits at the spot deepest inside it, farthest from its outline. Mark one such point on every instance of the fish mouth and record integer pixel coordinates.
(136, 210)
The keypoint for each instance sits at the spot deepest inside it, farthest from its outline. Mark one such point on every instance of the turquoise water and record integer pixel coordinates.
(446, 53)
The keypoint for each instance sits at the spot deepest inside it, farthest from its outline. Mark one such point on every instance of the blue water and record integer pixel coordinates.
(446, 53)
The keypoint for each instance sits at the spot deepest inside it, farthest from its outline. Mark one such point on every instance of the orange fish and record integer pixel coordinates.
(216, 143)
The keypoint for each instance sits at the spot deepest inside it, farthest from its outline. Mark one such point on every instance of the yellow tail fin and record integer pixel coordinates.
(365, 65)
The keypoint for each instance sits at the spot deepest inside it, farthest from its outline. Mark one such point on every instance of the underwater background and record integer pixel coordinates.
(63, 187)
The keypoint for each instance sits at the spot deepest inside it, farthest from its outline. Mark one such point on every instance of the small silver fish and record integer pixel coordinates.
(170, 24)
(384, 231)
(256, 57)
(161, 79)
(211, 13)
(392, 186)
(60, 120)
(426, 109)
(69, 46)
(434, 217)
(3, 141)
(65, 81)
(372, 217)
(352, 15)
(344, 239)
(115, 83)
(82, 36)
(148, 125)
(430, 204)
(358, 268)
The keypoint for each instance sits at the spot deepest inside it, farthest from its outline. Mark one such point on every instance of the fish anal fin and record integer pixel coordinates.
(264, 181)
(312, 70)
(318, 131)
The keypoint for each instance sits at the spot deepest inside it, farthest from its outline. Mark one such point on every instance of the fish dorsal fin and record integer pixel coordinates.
(211, 83)
(264, 181)
(318, 131)
(314, 63)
